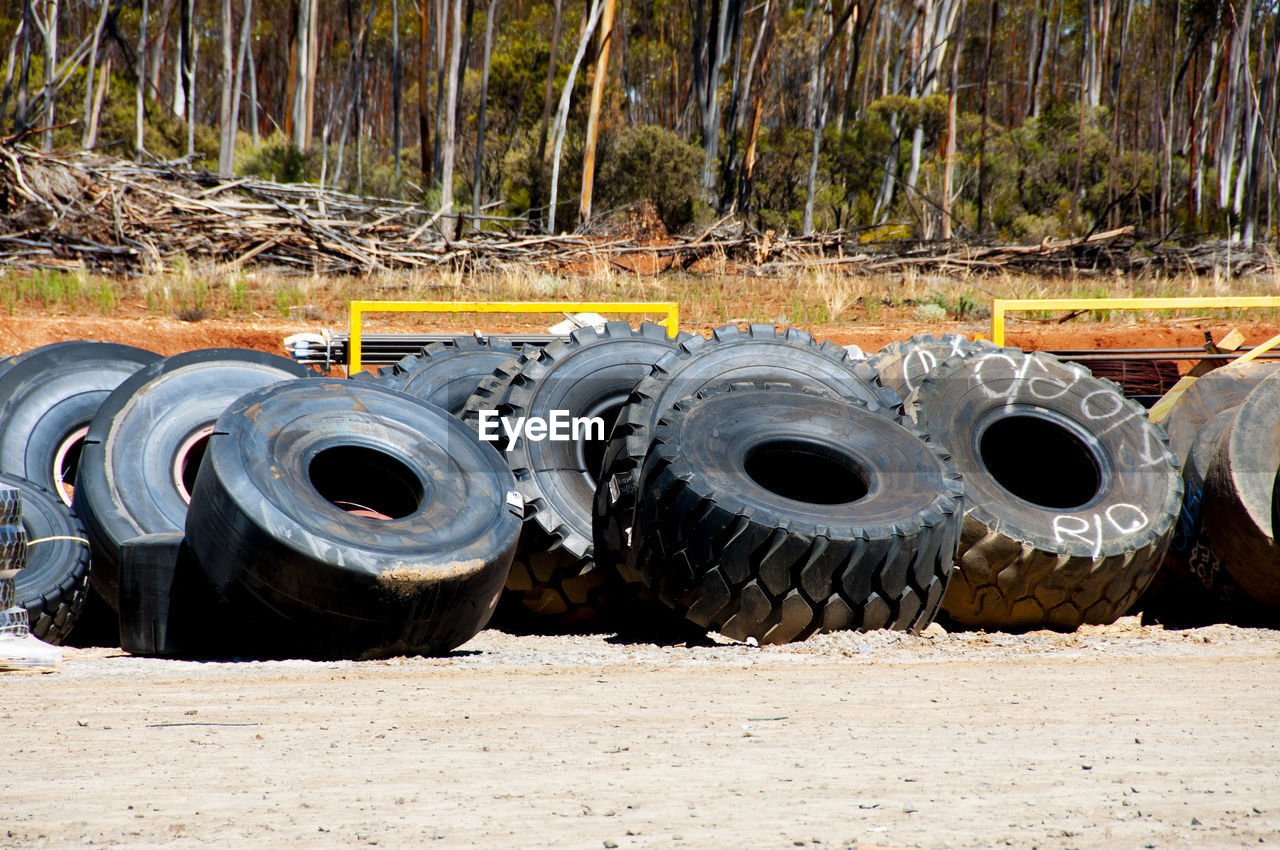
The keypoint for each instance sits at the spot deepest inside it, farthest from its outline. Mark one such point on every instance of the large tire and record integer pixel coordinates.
(345, 519)
(54, 584)
(761, 353)
(903, 364)
(1208, 396)
(1241, 494)
(591, 374)
(1194, 587)
(144, 445)
(47, 400)
(446, 373)
(773, 513)
(1072, 493)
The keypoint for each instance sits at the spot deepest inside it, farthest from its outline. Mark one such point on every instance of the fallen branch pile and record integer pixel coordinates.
(114, 215)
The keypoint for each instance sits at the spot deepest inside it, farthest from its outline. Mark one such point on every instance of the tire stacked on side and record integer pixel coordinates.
(770, 512)
(54, 584)
(729, 355)
(589, 375)
(1072, 492)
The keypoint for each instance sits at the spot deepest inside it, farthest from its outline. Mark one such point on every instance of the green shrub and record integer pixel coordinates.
(653, 163)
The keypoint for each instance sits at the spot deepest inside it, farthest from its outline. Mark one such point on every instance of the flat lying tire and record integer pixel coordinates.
(54, 584)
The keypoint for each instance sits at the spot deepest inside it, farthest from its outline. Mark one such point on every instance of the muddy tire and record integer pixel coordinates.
(903, 364)
(589, 375)
(1241, 494)
(144, 445)
(761, 353)
(54, 584)
(773, 513)
(343, 519)
(1072, 493)
(446, 373)
(47, 400)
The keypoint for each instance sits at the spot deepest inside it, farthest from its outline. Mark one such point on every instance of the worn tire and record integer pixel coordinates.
(1241, 494)
(47, 400)
(144, 445)
(1072, 492)
(345, 519)
(54, 583)
(903, 364)
(774, 513)
(1223, 388)
(591, 374)
(760, 353)
(446, 373)
(1194, 587)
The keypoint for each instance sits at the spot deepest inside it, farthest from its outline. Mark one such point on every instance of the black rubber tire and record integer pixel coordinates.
(143, 446)
(903, 364)
(54, 583)
(1194, 587)
(317, 580)
(773, 513)
(760, 353)
(10, 505)
(1209, 395)
(1241, 496)
(1070, 537)
(592, 373)
(446, 373)
(49, 397)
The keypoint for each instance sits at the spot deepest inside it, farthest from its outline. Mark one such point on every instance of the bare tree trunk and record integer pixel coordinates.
(556, 27)
(227, 135)
(49, 33)
(313, 62)
(562, 116)
(477, 183)
(19, 37)
(451, 112)
(299, 112)
(396, 140)
(156, 58)
(139, 105)
(189, 71)
(91, 130)
(88, 76)
(441, 49)
(253, 100)
(424, 88)
(20, 116)
(593, 112)
(818, 117)
(742, 197)
(949, 154)
(982, 143)
(246, 33)
(742, 105)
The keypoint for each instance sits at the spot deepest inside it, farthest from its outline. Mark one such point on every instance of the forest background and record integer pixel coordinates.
(923, 119)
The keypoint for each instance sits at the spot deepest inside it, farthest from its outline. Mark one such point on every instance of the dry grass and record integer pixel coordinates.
(810, 296)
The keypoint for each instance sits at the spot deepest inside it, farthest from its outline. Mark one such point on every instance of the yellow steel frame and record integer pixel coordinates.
(1001, 306)
(669, 309)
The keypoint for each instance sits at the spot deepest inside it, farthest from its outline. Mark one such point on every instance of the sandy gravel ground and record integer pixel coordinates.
(1124, 736)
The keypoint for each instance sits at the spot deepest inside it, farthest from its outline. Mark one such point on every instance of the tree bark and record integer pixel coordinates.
(86, 140)
(424, 88)
(139, 105)
(949, 153)
(562, 117)
(451, 112)
(396, 140)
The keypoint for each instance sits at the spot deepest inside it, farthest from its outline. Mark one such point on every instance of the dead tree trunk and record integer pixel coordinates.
(593, 113)
(477, 183)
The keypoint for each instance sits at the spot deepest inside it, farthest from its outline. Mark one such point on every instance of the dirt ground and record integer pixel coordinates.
(1115, 737)
(1122, 736)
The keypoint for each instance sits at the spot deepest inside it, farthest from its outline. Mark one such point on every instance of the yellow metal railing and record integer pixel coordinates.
(669, 309)
(1001, 306)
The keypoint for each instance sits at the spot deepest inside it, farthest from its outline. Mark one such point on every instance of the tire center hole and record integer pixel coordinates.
(1041, 462)
(186, 463)
(592, 451)
(806, 472)
(366, 482)
(66, 463)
